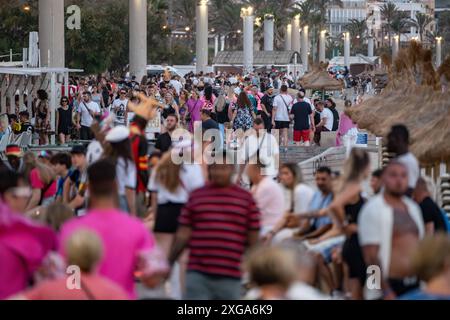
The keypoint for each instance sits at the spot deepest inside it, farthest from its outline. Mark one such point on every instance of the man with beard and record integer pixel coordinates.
(164, 141)
(390, 227)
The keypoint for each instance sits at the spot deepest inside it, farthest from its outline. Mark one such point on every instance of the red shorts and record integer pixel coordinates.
(300, 135)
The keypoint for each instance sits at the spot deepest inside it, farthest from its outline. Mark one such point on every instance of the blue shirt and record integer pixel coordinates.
(421, 295)
(60, 186)
(319, 201)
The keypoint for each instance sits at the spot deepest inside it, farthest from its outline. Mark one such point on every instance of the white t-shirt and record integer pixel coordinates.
(86, 118)
(119, 107)
(177, 85)
(269, 198)
(303, 195)
(282, 107)
(269, 151)
(126, 175)
(411, 163)
(191, 177)
(326, 113)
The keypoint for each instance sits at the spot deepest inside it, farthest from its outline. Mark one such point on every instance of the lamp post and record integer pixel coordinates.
(249, 18)
(370, 47)
(138, 38)
(296, 33)
(268, 32)
(347, 49)
(201, 28)
(51, 33)
(438, 51)
(288, 38)
(305, 48)
(322, 45)
(395, 46)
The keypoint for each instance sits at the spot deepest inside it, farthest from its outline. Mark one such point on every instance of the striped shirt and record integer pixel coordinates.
(220, 219)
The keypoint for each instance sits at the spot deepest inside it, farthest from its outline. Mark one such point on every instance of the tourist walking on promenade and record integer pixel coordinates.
(345, 124)
(280, 114)
(242, 114)
(303, 117)
(64, 120)
(232, 222)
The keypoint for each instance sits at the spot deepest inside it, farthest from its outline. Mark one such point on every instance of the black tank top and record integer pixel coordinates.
(352, 210)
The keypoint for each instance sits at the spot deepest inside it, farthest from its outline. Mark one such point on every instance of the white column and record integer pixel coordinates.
(395, 46)
(248, 17)
(53, 104)
(322, 45)
(296, 33)
(305, 48)
(216, 45)
(370, 47)
(138, 38)
(268, 32)
(347, 49)
(288, 38)
(51, 33)
(222, 43)
(202, 35)
(438, 51)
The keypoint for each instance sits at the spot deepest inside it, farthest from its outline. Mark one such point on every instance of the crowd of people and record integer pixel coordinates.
(228, 101)
(117, 218)
(128, 216)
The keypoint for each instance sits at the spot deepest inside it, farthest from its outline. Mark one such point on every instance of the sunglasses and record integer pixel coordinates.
(65, 101)
(123, 93)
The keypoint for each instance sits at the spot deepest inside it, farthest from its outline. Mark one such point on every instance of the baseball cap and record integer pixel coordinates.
(79, 149)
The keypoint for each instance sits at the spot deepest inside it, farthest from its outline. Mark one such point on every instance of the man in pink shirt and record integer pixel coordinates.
(129, 248)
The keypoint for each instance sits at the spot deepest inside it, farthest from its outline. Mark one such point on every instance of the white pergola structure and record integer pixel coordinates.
(20, 81)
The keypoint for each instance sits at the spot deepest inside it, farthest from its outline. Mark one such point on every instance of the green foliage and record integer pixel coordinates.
(15, 25)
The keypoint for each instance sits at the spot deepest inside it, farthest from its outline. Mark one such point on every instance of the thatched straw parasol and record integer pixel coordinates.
(413, 99)
(321, 80)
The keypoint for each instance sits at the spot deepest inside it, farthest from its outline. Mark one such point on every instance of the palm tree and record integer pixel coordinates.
(400, 23)
(421, 22)
(358, 31)
(388, 12)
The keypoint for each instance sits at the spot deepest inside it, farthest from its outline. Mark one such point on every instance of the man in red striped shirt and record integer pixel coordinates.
(218, 223)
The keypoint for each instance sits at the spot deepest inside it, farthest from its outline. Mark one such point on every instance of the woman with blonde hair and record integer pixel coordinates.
(345, 123)
(42, 180)
(83, 249)
(272, 271)
(170, 186)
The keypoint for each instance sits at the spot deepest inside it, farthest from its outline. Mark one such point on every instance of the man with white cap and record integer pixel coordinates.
(120, 153)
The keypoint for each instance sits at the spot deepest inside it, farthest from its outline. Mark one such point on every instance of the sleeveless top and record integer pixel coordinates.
(352, 210)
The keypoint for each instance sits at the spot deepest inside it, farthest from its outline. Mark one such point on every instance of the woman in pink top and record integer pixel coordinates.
(84, 249)
(42, 181)
(345, 124)
(23, 244)
(194, 106)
